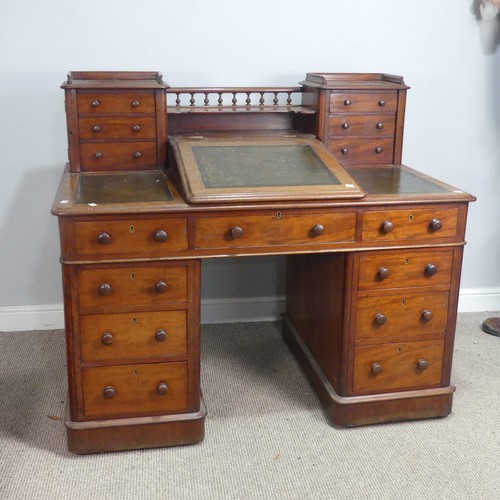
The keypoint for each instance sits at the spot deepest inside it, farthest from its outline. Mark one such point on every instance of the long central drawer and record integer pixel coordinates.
(274, 229)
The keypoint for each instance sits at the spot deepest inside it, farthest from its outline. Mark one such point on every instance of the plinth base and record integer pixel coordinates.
(99, 436)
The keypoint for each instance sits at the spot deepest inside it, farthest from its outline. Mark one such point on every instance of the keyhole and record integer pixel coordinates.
(407, 261)
(278, 215)
(410, 218)
(132, 276)
(132, 229)
(136, 373)
(134, 321)
(403, 302)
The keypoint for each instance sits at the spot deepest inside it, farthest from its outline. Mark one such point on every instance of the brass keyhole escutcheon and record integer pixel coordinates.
(410, 218)
(134, 321)
(278, 215)
(403, 302)
(132, 229)
(407, 261)
(132, 276)
(136, 373)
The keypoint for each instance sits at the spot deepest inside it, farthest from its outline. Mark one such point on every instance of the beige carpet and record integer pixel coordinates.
(266, 437)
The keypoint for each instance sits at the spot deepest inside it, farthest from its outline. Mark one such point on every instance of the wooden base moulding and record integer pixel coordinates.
(135, 433)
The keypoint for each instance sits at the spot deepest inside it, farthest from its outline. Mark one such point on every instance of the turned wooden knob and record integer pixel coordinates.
(318, 230)
(431, 269)
(380, 319)
(387, 226)
(435, 225)
(104, 289)
(104, 239)
(161, 236)
(162, 388)
(109, 392)
(345, 126)
(377, 369)
(96, 129)
(384, 273)
(422, 364)
(161, 335)
(136, 128)
(236, 232)
(427, 315)
(161, 287)
(107, 338)
(135, 104)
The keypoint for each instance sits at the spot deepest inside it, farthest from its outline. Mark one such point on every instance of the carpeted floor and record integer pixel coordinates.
(266, 437)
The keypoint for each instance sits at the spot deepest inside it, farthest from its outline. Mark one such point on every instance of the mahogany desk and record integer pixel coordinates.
(373, 264)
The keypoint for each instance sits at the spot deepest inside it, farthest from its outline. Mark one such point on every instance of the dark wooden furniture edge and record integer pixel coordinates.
(100, 436)
(371, 409)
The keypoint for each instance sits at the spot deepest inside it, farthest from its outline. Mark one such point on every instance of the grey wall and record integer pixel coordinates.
(452, 120)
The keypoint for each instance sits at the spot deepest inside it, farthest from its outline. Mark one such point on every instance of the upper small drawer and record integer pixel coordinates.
(390, 225)
(355, 102)
(95, 128)
(116, 102)
(401, 268)
(142, 237)
(276, 229)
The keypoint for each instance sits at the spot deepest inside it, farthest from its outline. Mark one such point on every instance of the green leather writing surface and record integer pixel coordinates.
(122, 188)
(261, 166)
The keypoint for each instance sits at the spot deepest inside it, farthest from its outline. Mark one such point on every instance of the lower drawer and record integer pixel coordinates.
(397, 366)
(106, 337)
(97, 156)
(135, 389)
(363, 151)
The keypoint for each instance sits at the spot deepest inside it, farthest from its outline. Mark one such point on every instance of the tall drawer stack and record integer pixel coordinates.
(116, 121)
(360, 117)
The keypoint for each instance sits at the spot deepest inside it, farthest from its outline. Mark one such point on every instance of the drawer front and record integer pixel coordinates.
(132, 286)
(397, 366)
(115, 102)
(401, 317)
(390, 225)
(396, 269)
(276, 229)
(148, 237)
(373, 151)
(106, 337)
(118, 155)
(355, 102)
(362, 125)
(117, 127)
(135, 389)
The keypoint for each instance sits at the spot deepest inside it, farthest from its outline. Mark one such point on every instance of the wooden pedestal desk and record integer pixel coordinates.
(374, 248)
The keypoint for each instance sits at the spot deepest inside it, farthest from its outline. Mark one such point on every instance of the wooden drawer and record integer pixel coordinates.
(106, 337)
(390, 225)
(138, 155)
(135, 389)
(117, 127)
(121, 287)
(401, 317)
(356, 102)
(361, 125)
(274, 229)
(401, 268)
(397, 366)
(115, 102)
(372, 151)
(142, 237)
